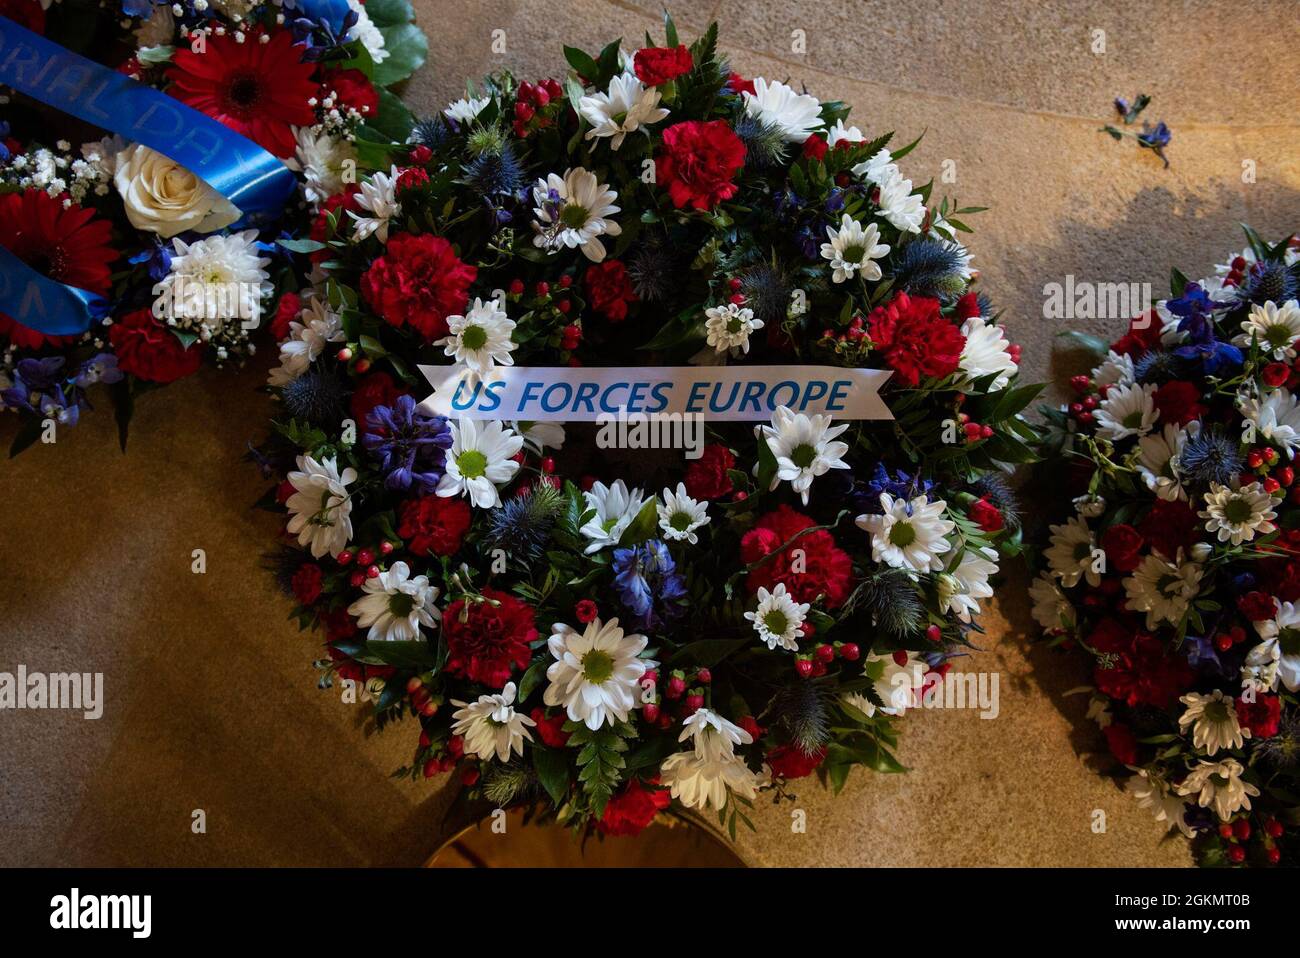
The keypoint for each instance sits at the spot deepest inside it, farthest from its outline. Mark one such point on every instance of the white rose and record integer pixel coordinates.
(162, 196)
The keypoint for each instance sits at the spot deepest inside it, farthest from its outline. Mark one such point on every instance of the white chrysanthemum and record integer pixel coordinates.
(1116, 370)
(805, 447)
(1281, 645)
(854, 249)
(1154, 793)
(1070, 554)
(573, 212)
(1239, 515)
(316, 326)
(711, 735)
(595, 675)
(680, 515)
(1277, 419)
(1126, 411)
(699, 782)
(396, 604)
(322, 159)
(320, 508)
(727, 327)
(615, 507)
(840, 133)
(778, 618)
(491, 726)
(481, 458)
(909, 535)
(898, 685)
(229, 270)
(1219, 784)
(540, 436)
(378, 197)
(904, 209)
(481, 338)
(878, 168)
(795, 115)
(466, 109)
(986, 352)
(1157, 461)
(1163, 588)
(1052, 610)
(627, 106)
(366, 31)
(962, 586)
(1213, 720)
(1276, 329)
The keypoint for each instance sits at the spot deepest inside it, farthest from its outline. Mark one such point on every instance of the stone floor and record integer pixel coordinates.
(211, 697)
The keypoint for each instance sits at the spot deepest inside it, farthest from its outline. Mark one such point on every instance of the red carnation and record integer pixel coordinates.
(1143, 333)
(1122, 545)
(789, 761)
(706, 477)
(1142, 671)
(433, 525)
(257, 89)
(1178, 401)
(915, 339)
(487, 640)
(550, 730)
(815, 146)
(698, 161)
(307, 583)
(1169, 526)
(986, 515)
(1123, 744)
(352, 88)
(149, 350)
(609, 290)
(738, 84)
(828, 571)
(1257, 606)
(632, 809)
(377, 389)
(66, 244)
(419, 281)
(658, 65)
(1260, 716)
(968, 306)
(286, 311)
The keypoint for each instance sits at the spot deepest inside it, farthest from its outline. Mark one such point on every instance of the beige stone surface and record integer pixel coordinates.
(211, 698)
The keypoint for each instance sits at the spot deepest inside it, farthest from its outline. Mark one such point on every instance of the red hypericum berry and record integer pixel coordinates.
(516, 287)
(1236, 854)
(694, 702)
(1271, 485)
(934, 633)
(1238, 263)
(850, 651)
(740, 496)
(553, 87)
(365, 557)
(824, 653)
(424, 739)
(734, 284)
(900, 658)
(818, 669)
(431, 768)
(1274, 855)
(564, 306)
(1241, 828)
(807, 628)
(1255, 459)
(1081, 383)
(357, 577)
(1285, 475)
(986, 431)
(804, 667)
(543, 289)
(675, 687)
(363, 365)
(665, 721)
(540, 96)
(429, 709)
(651, 676)
(650, 711)
(1090, 402)
(1085, 418)
(469, 775)
(523, 112)
(414, 683)
(1076, 408)
(343, 558)
(385, 548)
(344, 354)
(547, 465)
(737, 298)
(704, 676)
(1273, 828)
(1223, 642)
(372, 572)
(1225, 831)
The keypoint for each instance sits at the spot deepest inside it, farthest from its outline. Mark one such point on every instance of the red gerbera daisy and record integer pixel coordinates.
(257, 89)
(67, 244)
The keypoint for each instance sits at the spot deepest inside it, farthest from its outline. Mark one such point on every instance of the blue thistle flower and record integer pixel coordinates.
(1158, 366)
(411, 446)
(649, 584)
(495, 173)
(432, 133)
(1210, 457)
(314, 398)
(652, 270)
(767, 292)
(764, 144)
(931, 268)
(1267, 282)
(522, 526)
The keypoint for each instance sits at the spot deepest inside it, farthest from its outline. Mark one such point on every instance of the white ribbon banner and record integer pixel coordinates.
(594, 394)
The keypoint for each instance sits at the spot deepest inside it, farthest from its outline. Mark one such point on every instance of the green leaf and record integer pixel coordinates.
(301, 245)
(643, 526)
(552, 767)
(407, 50)
(394, 121)
(416, 654)
(1093, 344)
(582, 64)
(532, 678)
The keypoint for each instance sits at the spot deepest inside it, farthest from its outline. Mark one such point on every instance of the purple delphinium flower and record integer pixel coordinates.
(648, 584)
(101, 368)
(411, 445)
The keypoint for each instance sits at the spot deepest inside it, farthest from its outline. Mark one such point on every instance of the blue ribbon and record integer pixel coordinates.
(250, 177)
(332, 12)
